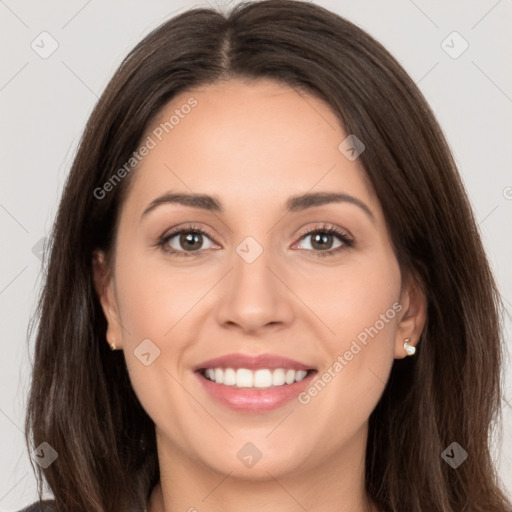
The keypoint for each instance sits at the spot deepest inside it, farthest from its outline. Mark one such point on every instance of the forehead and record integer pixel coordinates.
(261, 141)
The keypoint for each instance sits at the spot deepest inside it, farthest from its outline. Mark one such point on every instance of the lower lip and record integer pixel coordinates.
(254, 399)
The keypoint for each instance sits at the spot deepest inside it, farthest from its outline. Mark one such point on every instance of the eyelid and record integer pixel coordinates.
(325, 226)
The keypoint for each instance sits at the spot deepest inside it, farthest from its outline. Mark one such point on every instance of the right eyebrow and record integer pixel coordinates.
(202, 201)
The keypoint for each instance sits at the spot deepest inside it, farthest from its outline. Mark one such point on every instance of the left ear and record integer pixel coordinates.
(412, 316)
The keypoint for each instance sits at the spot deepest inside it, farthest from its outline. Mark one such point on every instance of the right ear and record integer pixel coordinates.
(104, 286)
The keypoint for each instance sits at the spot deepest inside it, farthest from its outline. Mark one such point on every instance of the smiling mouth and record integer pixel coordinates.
(263, 378)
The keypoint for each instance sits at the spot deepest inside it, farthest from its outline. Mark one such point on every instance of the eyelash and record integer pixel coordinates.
(346, 240)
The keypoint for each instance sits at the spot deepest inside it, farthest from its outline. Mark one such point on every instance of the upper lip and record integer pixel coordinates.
(252, 362)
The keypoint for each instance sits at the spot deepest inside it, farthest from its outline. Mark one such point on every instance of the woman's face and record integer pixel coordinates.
(245, 279)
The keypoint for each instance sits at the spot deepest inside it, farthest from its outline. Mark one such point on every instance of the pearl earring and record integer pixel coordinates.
(409, 348)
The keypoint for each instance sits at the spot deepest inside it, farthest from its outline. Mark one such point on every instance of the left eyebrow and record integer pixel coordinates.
(302, 202)
(293, 204)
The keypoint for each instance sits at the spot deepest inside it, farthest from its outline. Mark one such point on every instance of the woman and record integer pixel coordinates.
(211, 341)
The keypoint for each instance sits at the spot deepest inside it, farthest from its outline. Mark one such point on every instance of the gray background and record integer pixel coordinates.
(46, 102)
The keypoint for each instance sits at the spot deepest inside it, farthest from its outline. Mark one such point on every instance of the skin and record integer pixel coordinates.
(241, 140)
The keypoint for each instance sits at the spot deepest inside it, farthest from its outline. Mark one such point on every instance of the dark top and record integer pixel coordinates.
(40, 506)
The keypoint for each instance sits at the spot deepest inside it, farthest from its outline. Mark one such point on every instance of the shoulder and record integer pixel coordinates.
(40, 506)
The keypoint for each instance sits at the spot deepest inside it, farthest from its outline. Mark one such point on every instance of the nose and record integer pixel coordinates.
(255, 296)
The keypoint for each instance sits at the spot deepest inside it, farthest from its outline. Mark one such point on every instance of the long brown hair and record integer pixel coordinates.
(81, 400)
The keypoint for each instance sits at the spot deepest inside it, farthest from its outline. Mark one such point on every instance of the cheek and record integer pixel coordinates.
(362, 298)
(152, 298)
(363, 312)
(152, 303)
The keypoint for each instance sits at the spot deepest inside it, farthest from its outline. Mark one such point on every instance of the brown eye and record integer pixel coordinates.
(185, 242)
(327, 241)
(322, 241)
(190, 240)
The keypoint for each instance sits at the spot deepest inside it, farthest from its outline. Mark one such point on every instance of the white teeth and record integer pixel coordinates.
(278, 377)
(289, 377)
(229, 377)
(262, 378)
(244, 377)
(219, 376)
